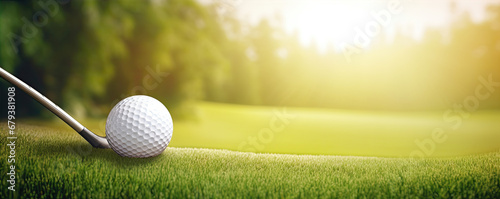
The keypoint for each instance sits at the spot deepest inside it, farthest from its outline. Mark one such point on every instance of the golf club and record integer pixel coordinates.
(95, 140)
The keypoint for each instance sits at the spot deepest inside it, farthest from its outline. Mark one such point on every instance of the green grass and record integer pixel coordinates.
(337, 132)
(54, 161)
(329, 132)
(57, 163)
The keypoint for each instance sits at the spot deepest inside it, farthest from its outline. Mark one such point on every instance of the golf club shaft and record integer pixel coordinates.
(94, 140)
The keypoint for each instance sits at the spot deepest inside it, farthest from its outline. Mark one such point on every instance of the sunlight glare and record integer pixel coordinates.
(328, 22)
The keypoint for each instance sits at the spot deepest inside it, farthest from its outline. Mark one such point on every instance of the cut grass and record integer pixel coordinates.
(57, 163)
(335, 132)
(327, 132)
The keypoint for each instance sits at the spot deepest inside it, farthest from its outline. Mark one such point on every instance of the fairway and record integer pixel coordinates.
(326, 131)
(334, 132)
(55, 162)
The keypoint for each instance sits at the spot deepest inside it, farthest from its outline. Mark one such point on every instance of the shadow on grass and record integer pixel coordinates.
(87, 154)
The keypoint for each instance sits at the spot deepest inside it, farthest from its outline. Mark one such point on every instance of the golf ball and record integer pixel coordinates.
(139, 126)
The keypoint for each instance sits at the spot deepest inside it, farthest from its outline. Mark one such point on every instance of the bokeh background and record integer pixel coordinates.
(88, 55)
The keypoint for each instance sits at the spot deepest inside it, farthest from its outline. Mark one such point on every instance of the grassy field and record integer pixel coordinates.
(56, 163)
(335, 132)
(327, 132)
(53, 161)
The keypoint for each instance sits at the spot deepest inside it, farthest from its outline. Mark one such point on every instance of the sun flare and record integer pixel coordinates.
(328, 22)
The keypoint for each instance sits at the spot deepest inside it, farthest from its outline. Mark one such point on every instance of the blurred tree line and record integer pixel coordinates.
(88, 55)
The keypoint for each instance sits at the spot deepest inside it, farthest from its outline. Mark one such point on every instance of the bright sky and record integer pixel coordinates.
(335, 21)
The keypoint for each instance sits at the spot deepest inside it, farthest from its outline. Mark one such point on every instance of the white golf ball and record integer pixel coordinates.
(139, 126)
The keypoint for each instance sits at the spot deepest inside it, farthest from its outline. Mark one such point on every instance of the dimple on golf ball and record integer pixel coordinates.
(139, 126)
